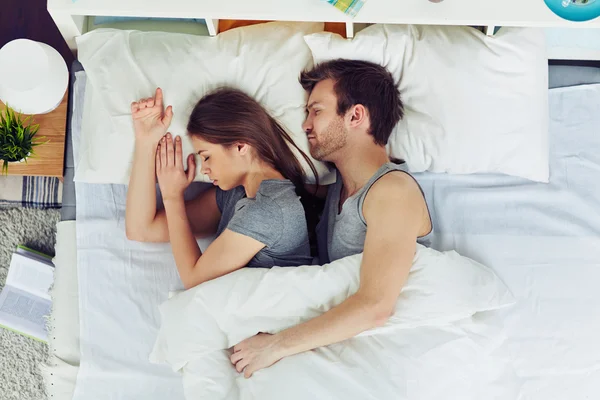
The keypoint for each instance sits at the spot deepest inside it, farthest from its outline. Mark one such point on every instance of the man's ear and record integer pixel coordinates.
(358, 115)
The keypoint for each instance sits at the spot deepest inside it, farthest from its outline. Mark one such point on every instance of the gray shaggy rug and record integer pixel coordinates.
(20, 356)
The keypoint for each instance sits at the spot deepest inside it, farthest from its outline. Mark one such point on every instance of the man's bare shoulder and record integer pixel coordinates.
(396, 185)
(396, 197)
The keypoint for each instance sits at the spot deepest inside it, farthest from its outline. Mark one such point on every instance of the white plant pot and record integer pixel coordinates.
(21, 160)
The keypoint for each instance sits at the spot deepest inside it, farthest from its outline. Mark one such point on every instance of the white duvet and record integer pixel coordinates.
(438, 328)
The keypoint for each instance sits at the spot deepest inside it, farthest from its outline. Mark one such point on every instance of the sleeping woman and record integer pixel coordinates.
(254, 207)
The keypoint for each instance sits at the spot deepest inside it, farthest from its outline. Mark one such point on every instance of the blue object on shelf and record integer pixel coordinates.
(575, 10)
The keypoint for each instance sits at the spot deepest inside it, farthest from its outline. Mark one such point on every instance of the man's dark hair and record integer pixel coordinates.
(361, 82)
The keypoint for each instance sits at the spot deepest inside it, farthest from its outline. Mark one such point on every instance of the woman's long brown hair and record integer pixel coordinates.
(228, 116)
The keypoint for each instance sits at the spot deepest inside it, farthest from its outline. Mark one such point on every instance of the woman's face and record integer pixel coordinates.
(223, 165)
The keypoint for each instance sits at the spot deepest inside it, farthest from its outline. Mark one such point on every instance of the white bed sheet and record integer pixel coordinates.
(121, 284)
(508, 206)
(543, 240)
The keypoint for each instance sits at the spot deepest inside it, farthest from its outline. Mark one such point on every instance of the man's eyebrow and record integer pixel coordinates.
(311, 105)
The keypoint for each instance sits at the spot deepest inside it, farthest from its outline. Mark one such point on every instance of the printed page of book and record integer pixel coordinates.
(24, 313)
(30, 276)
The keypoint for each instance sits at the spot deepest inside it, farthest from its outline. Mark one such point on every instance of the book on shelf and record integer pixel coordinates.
(25, 301)
(348, 7)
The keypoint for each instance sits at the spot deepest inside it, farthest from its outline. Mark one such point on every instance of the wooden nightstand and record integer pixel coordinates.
(49, 157)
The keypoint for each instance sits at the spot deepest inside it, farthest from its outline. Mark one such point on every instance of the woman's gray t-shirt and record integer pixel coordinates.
(274, 217)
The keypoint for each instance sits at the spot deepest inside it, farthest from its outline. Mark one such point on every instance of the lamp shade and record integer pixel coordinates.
(575, 10)
(34, 76)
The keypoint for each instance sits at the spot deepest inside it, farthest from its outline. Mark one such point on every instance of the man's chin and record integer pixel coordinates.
(315, 153)
(320, 156)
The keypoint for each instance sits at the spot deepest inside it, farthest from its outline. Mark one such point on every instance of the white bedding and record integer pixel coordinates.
(543, 241)
(552, 331)
(60, 371)
(432, 316)
(508, 206)
(121, 286)
(473, 103)
(412, 364)
(125, 65)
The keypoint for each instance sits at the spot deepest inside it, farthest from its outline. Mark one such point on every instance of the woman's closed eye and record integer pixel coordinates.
(206, 158)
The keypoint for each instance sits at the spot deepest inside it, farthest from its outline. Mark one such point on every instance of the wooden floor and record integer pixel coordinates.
(29, 19)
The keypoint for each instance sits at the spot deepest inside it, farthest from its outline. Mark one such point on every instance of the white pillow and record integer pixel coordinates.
(263, 60)
(441, 288)
(473, 103)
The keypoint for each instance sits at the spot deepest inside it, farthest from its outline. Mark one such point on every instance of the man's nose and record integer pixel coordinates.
(307, 126)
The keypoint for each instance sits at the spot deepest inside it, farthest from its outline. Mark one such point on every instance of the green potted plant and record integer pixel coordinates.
(17, 138)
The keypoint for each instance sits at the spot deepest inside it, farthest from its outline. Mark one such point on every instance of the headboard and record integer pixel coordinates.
(70, 15)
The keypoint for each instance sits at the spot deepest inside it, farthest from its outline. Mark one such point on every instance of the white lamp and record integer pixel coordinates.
(33, 76)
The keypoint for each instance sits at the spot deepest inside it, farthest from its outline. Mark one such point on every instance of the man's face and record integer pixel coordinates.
(325, 129)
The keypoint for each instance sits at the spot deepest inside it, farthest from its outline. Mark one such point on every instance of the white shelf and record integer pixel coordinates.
(532, 13)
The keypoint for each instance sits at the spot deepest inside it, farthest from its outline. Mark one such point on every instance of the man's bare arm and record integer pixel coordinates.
(393, 210)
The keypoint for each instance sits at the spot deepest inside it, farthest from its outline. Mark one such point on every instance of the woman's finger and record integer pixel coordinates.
(135, 106)
(178, 151)
(167, 116)
(163, 152)
(191, 172)
(158, 161)
(143, 112)
(158, 97)
(170, 152)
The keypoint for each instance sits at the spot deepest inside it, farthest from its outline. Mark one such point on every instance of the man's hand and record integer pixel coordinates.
(172, 178)
(150, 121)
(258, 352)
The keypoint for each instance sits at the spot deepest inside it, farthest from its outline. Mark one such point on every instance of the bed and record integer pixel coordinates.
(543, 240)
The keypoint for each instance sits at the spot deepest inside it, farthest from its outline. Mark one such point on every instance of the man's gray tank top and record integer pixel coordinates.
(341, 234)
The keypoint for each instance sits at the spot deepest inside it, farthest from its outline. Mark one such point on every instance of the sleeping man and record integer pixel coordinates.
(375, 207)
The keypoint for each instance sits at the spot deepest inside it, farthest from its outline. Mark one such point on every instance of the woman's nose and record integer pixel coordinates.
(204, 169)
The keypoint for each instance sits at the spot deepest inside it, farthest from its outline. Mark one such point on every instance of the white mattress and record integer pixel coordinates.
(60, 371)
(543, 240)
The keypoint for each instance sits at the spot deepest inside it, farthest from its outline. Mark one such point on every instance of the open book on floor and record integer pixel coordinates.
(25, 301)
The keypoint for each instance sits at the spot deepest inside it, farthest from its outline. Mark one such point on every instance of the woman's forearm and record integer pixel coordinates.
(185, 248)
(141, 194)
